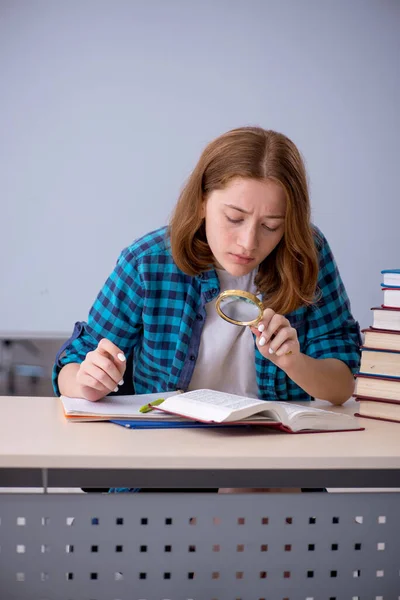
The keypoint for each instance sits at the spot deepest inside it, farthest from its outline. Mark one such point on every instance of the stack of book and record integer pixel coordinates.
(378, 382)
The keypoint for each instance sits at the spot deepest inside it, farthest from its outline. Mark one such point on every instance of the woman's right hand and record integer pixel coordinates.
(102, 371)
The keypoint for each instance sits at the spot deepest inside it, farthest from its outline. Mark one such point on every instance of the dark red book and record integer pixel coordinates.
(381, 339)
(386, 317)
(378, 408)
(375, 386)
(211, 406)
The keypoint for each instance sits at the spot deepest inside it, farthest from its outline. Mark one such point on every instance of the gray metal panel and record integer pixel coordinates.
(175, 478)
(200, 547)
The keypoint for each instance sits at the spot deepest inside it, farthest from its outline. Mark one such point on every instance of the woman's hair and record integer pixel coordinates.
(287, 278)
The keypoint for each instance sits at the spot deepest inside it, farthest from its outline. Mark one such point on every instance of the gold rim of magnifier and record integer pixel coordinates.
(241, 294)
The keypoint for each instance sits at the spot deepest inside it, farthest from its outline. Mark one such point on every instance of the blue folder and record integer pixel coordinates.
(143, 424)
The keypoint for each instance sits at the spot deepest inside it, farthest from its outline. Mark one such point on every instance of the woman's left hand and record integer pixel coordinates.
(276, 338)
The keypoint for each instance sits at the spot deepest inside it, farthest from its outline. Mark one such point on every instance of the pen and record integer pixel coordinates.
(148, 407)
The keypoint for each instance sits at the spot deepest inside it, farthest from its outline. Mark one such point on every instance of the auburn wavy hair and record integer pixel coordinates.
(287, 277)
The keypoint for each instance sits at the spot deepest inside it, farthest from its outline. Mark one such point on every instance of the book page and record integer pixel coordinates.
(220, 399)
(308, 417)
(213, 406)
(116, 406)
(289, 412)
(295, 410)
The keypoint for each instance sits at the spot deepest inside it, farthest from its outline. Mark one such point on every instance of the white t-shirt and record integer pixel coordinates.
(227, 364)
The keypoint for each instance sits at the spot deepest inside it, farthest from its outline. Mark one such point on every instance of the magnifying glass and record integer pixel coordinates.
(239, 307)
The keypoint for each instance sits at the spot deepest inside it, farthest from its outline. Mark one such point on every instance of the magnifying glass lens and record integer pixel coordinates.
(239, 309)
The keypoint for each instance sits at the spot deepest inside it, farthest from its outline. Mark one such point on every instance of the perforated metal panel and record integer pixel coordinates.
(200, 547)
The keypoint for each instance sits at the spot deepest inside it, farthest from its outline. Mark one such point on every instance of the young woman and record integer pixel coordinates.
(242, 222)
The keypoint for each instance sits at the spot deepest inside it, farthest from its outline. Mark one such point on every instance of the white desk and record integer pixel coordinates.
(35, 436)
(200, 546)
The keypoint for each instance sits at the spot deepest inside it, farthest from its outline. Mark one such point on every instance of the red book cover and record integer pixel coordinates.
(383, 307)
(381, 400)
(376, 418)
(374, 329)
(271, 424)
(373, 399)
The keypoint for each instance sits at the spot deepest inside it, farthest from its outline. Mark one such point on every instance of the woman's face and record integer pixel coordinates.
(244, 223)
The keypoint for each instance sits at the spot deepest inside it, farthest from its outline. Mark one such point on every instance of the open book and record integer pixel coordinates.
(210, 406)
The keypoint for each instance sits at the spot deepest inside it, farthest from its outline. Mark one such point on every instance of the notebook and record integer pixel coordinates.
(167, 424)
(115, 408)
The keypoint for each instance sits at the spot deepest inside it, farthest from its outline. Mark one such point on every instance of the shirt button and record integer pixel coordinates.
(199, 317)
(192, 357)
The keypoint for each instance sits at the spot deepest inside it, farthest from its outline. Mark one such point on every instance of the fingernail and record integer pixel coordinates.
(115, 389)
(262, 341)
(121, 382)
(270, 351)
(261, 327)
(121, 357)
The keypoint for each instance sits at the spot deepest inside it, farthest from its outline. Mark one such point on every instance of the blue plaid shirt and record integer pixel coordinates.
(152, 308)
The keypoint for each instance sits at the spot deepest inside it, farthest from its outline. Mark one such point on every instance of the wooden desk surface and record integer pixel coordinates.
(35, 434)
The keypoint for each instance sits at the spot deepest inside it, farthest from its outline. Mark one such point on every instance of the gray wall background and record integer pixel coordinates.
(106, 106)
